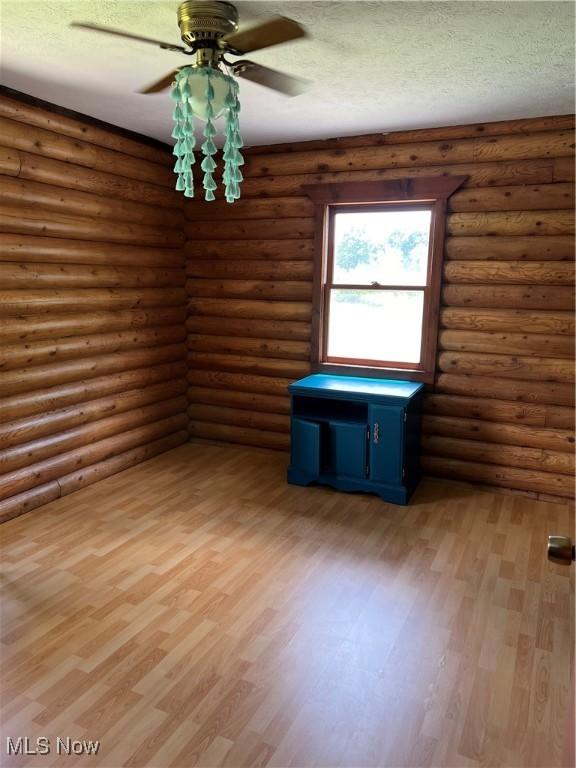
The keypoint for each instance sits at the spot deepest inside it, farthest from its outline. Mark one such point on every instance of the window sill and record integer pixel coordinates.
(406, 374)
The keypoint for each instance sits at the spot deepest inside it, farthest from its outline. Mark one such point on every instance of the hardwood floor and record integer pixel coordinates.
(197, 610)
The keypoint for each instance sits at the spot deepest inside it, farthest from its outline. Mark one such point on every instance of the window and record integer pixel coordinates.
(377, 276)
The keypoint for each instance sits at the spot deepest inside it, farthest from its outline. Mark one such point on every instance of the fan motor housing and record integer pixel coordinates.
(206, 20)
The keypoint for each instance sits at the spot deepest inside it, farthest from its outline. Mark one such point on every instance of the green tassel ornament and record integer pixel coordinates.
(207, 83)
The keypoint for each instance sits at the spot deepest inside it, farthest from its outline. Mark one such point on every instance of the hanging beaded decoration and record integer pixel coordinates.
(187, 107)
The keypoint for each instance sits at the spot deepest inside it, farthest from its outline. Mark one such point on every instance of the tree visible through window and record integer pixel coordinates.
(356, 247)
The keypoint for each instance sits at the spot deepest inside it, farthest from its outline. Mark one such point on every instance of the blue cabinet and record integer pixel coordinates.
(356, 434)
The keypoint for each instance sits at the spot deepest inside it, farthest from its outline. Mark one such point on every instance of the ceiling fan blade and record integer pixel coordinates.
(128, 35)
(276, 30)
(162, 84)
(271, 78)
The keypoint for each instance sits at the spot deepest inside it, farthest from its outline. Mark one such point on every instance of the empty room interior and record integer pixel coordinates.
(287, 384)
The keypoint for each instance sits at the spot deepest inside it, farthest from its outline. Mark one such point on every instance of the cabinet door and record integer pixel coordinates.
(386, 443)
(347, 449)
(305, 446)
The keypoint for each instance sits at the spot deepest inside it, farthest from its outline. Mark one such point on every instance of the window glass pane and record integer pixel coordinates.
(389, 247)
(375, 325)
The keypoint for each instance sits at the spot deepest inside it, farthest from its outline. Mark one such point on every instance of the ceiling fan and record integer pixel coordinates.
(209, 30)
(203, 90)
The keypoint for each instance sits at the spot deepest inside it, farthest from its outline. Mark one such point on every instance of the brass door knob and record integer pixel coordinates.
(560, 550)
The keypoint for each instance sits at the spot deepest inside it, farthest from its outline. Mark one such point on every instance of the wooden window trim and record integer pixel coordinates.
(431, 192)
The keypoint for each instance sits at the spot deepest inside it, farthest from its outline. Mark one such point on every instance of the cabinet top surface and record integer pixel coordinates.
(320, 383)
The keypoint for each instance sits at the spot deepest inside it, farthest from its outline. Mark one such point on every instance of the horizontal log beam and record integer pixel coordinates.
(506, 477)
(512, 223)
(507, 320)
(509, 296)
(274, 208)
(251, 310)
(42, 376)
(240, 382)
(243, 435)
(419, 154)
(39, 141)
(513, 198)
(252, 365)
(510, 273)
(551, 393)
(77, 129)
(73, 347)
(549, 144)
(28, 454)
(505, 434)
(251, 401)
(51, 422)
(478, 175)
(217, 414)
(448, 133)
(507, 366)
(276, 250)
(62, 174)
(288, 349)
(25, 249)
(489, 387)
(39, 302)
(533, 344)
(259, 329)
(250, 269)
(283, 290)
(18, 192)
(505, 455)
(502, 411)
(21, 220)
(36, 328)
(71, 461)
(514, 248)
(62, 395)
(73, 276)
(262, 229)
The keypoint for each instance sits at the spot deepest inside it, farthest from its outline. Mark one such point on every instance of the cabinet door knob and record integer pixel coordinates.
(560, 550)
(376, 433)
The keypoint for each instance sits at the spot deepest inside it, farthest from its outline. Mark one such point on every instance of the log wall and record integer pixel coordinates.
(92, 305)
(501, 410)
(93, 317)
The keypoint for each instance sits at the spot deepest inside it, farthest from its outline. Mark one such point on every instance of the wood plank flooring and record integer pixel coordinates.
(197, 610)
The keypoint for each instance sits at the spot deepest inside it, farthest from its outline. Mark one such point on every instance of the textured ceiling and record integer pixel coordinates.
(376, 66)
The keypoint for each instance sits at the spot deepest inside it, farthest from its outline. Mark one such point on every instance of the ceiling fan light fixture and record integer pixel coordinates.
(193, 88)
(206, 93)
(202, 91)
